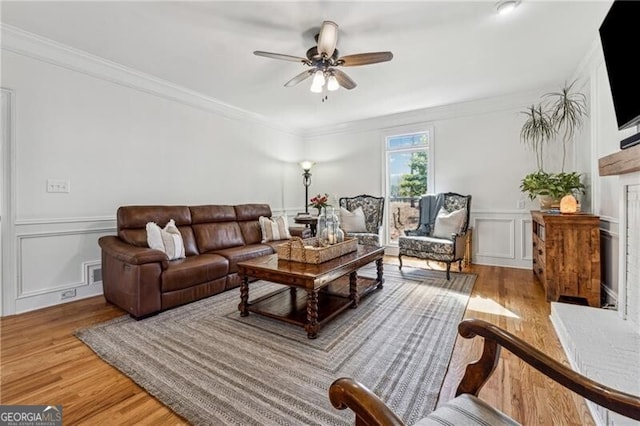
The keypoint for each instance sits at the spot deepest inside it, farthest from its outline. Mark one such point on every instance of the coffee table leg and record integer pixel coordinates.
(380, 279)
(353, 289)
(312, 325)
(244, 297)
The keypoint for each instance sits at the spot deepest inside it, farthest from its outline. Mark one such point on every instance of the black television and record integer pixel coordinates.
(620, 37)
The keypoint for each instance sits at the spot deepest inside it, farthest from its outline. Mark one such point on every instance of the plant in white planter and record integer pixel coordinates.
(562, 114)
(549, 188)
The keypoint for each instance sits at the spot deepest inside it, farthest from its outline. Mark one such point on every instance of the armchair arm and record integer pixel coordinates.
(369, 408)
(118, 249)
(478, 373)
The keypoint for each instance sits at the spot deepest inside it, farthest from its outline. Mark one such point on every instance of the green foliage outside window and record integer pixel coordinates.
(414, 183)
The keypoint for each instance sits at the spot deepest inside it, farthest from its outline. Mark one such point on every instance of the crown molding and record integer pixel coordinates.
(426, 115)
(46, 50)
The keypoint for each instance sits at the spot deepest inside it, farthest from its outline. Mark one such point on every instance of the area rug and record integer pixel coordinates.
(213, 367)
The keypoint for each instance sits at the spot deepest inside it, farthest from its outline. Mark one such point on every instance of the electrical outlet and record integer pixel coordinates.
(68, 294)
(58, 185)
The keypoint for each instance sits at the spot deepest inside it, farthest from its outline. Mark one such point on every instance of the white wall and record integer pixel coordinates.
(600, 139)
(120, 137)
(477, 151)
(118, 142)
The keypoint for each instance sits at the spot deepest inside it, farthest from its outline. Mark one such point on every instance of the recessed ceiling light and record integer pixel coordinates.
(505, 7)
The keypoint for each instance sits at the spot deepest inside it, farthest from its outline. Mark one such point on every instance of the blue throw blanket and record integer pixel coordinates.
(429, 206)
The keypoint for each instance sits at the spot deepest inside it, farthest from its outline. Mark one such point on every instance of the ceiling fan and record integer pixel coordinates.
(324, 59)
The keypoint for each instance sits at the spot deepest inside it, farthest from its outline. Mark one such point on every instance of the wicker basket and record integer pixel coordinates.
(309, 250)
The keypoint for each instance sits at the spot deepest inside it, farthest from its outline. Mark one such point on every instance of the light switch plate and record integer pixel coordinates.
(58, 185)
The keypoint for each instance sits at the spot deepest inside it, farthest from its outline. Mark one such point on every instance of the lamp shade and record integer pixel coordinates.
(306, 165)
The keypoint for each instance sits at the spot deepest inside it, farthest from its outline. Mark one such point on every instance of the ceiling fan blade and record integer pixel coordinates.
(328, 38)
(365, 59)
(281, 56)
(300, 77)
(344, 80)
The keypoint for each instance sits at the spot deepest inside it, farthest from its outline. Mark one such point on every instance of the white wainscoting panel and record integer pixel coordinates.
(496, 236)
(55, 259)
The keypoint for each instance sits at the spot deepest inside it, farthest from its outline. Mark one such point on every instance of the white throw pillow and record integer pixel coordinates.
(352, 221)
(274, 229)
(448, 223)
(167, 240)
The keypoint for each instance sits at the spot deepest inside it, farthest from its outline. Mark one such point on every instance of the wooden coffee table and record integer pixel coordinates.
(322, 299)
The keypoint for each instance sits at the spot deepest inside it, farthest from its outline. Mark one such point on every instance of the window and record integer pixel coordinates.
(409, 174)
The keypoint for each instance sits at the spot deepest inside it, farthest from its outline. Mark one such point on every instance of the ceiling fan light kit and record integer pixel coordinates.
(323, 60)
(332, 83)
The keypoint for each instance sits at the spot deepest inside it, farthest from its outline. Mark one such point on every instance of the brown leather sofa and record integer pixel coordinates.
(143, 281)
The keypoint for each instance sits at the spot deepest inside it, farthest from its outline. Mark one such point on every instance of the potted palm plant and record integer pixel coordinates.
(562, 114)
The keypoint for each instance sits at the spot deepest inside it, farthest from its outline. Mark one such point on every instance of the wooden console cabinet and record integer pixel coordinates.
(566, 255)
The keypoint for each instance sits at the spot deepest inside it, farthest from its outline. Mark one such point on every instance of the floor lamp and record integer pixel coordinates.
(306, 181)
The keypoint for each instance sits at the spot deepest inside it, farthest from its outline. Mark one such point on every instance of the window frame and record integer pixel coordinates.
(430, 149)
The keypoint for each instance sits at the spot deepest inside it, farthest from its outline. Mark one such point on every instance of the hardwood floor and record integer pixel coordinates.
(41, 362)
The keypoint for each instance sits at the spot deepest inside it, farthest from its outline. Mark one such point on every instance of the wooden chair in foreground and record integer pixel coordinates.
(466, 408)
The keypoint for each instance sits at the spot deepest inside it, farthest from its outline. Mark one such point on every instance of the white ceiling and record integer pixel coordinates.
(444, 52)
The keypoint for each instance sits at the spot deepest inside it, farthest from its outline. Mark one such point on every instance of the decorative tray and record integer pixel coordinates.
(310, 251)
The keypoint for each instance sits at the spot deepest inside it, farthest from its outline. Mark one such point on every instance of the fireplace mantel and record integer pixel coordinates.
(621, 162)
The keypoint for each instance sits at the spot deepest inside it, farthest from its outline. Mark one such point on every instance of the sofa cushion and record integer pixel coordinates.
(131, 217)
(212, 213)
(216, 236)
(238, 254)
(427, 248)
(132, 221)
(273, 244)
(251, 232)
(184, 273)
(247, 216)
(251, 211)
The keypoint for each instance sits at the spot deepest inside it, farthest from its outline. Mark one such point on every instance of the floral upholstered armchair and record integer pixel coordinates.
(367, 233)
(441, 234)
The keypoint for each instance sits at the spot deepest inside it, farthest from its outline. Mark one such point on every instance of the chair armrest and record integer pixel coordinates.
(478, 373)
(370, 410)
(118, 249)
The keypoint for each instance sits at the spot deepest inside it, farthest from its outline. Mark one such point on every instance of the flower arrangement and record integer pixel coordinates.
(319, 201)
